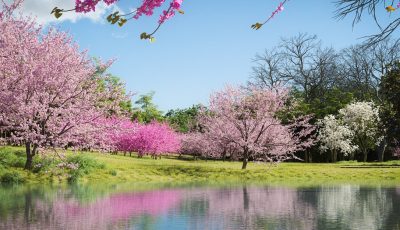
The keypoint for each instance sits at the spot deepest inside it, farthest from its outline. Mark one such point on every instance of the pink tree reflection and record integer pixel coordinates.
(112, 212)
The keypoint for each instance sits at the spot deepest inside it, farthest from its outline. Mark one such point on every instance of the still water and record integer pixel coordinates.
(200, 207)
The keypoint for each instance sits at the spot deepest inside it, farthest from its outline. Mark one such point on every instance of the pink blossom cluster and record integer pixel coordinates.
(65, 165)
(154, 139)
(85, 6)
(146, 8)
(121, 134)
(277, 10)
(167, 14)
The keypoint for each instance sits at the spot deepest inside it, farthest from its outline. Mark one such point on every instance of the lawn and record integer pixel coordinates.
(174, 170)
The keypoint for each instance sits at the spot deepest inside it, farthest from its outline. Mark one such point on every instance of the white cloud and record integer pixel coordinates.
(41, 10)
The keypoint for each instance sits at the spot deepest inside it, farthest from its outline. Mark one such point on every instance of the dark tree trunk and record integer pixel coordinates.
(245, 157)
(381, 149)
(306, 156)
(334, 156)
(30, 153)
(245, 160)
(351, 157)
(365, 153)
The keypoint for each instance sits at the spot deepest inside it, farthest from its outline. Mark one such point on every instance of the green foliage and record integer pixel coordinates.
(183, 120)
(108, 81)
(147, 110)
(11, 178)
(42, 163)
(329, 103)
(390, 91)
(113, 172)
(390, 87)
(11, 158)
(85, 163)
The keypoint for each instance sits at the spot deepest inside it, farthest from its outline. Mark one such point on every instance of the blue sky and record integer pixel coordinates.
(209, 46)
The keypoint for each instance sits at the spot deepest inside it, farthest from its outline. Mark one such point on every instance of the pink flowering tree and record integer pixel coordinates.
(155, 139)
(245, 123)
(122, 138)
(49, 92)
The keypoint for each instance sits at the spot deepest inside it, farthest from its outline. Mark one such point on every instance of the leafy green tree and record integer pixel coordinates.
(183, 120)
(146, 111)
(390, 91)
(108, 81)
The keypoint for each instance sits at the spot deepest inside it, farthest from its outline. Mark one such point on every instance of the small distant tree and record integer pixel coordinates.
(183, 120)
(155, 139)
(146, 111)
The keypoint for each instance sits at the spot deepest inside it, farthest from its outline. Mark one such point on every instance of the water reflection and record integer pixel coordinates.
(247, 207)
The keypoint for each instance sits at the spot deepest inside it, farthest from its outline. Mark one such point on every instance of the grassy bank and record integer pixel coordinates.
(103, 168)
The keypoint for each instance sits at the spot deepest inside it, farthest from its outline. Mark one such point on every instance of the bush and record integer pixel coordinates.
(41, 163)
(81, 164)
(85, 163)
(9, 157)
(112, 172)
(11, 178)
(20, 153)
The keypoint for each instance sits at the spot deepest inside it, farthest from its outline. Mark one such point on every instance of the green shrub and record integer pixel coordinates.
(74, 176)
(19, 162)
(85, 163)
(41, 163)
(4, 157)
(20, 153)
(12, 158)
(112, 172)
(11, 178)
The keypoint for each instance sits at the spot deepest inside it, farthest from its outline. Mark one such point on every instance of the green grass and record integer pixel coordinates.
(104, 168)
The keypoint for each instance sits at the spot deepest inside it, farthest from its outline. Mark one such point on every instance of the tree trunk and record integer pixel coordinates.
(381, 149)
(351, 157)
(306, 156)
(245, 157)
(245, 160)
(334, 156)
(365, 152)
(30, 153)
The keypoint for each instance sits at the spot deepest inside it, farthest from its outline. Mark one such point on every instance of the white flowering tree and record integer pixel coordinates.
(363, 120)
(355, 128)
(336, 137)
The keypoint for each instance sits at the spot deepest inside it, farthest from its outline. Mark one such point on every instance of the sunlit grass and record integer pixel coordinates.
(171, 169)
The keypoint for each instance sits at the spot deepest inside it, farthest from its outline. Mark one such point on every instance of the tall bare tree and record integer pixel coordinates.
(267, 73)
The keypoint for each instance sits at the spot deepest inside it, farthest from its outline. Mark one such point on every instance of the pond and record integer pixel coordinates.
(200, 207)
